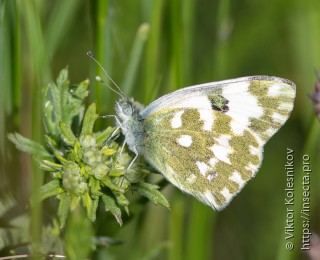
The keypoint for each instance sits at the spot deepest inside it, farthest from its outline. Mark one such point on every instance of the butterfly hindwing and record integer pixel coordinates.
(212, 166)
(208, 140)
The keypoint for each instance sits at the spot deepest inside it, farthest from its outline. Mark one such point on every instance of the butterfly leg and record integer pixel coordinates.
(134, 159)
(112, 137)
(115, 117)
(119, 125)
(118, 157)
(134, 150)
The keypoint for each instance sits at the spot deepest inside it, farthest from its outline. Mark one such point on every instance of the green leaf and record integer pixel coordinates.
(63, 103)
(59, 156)
(51, 143)
(79, 92)
(108, 183)
(26, 145)
(151, 192)
(93, 210)
(91, 205)
(110, 205)
(48, 119)
(49, 166)
(77, 152)
(103, 136)
(107, 151)
(69, 137)
(64, 208)
(76, 95)
(94, 186)
(121, 199)
(51, 188)
(89, 119)
(63, 92)
(62, 79)
(52, 105)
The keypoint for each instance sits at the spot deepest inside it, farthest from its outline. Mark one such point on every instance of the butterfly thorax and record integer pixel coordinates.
(131, 122)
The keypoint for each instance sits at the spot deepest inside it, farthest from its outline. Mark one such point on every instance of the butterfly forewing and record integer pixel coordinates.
(209, 141)
(260, 105)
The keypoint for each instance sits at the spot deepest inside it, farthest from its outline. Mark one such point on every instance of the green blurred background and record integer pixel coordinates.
(151, 47)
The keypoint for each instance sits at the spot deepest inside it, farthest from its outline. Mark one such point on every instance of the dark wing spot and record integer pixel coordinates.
(219, 103)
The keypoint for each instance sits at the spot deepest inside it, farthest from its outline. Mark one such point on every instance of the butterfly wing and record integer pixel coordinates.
(208, 140)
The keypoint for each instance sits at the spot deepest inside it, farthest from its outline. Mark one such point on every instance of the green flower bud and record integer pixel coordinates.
(100, 171)
(87, 141)
(71, 176)
(82, 188)
(92, 156)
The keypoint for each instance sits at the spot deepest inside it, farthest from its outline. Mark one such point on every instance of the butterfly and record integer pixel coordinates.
(208, 139)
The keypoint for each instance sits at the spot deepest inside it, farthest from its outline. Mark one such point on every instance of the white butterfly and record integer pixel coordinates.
(208, 139)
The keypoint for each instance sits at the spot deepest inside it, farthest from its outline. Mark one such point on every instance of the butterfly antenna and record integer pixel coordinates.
(119, 92)
(98, 78)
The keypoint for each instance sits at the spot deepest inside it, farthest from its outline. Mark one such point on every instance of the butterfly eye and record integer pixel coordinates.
(127, 110)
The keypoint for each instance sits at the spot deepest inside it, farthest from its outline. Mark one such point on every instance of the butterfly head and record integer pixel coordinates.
(127, 109)
(131, 122)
